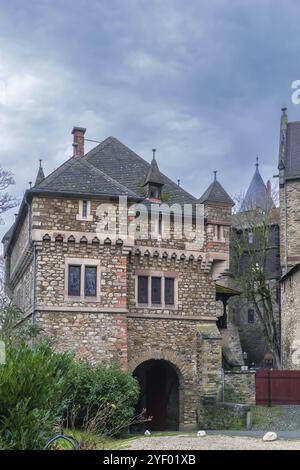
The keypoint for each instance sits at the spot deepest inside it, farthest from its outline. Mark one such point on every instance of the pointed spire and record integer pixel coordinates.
(257, 195)
(154, 180)
(282, 139)
(40, 175)
(154, 175)
(215, 175)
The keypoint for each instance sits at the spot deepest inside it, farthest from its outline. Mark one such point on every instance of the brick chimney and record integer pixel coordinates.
(269, 188)
(78, 141)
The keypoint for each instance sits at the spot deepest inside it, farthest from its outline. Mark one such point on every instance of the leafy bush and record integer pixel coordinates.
(39, 387)
(33, 393)
(104, 396)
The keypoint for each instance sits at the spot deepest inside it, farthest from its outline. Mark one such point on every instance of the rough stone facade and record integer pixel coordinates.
(289, 185)
(290, 210)
(239, 387)
(113, 325)
(290, 293)
(251, 333)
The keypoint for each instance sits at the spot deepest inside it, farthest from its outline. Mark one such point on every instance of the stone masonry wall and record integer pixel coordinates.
(209, 357)
(22, 292)
(94, 337)
(196, 289)
(51, 272)
(290, 302)
(60, 216)
(251, 334)
(20, 245)
(293, 223)
(239, 387)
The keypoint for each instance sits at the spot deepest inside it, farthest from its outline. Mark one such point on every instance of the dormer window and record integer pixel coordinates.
(154, 192)
(84, 210)
(154, 181)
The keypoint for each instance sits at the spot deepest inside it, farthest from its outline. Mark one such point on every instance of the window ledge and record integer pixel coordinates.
(70, 298)
(157, 307)
(88, 218)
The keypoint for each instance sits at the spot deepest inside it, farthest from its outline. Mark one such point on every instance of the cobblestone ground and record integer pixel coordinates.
(216, 442)
(277, 418)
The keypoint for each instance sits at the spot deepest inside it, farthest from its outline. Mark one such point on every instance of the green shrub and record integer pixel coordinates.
(33, 394)
(106, 395)
(39, 387)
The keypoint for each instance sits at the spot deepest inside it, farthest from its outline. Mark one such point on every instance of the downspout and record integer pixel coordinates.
(286, 266)
(285, 229)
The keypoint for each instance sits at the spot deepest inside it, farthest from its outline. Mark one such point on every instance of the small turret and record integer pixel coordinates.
(215, 193)
(154, 181)
(40, 175)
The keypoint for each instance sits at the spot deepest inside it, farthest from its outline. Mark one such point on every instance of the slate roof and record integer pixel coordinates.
(9, 233)
(257, 195)
(78, 176)
(215, 193)
(109, 169)
(121, 163)
(292, 160)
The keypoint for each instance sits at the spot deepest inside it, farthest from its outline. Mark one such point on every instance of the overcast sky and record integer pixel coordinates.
(202, 81)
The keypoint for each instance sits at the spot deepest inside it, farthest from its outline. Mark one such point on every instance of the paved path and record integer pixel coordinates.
(256, 433)
(212, 442)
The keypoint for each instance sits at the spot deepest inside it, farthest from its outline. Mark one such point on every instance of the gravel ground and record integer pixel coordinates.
(278, 418)
(216, 442)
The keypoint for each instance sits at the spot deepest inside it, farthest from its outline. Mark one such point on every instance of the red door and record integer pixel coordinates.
(157, 396)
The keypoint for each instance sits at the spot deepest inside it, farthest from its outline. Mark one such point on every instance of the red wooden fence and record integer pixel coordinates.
(278, 387)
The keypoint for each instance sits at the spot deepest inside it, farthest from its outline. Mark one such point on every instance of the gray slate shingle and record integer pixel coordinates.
(257, 195)
(121, 163)
(292, 163)
(215, 193)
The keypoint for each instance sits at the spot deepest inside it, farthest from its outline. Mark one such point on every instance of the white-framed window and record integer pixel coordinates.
(82, 279)
(156, 290)
(84, 210)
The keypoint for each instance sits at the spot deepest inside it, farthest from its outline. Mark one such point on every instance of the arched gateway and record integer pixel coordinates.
(160, 394)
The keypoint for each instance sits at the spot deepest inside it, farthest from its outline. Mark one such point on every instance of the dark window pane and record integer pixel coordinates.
(250, 316)
(156, 290)
(160, 224)
(90, 286)
(74, 280)
(142, 289)
(84, 208)
(169, 291)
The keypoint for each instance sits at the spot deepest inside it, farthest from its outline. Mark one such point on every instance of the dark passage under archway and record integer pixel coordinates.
(159, 395)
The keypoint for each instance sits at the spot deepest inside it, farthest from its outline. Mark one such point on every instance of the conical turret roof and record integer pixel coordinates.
(257, 196)
(154, 175)
(215, 193)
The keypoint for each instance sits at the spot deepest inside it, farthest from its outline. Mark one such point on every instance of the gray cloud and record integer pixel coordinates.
(201, 81)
